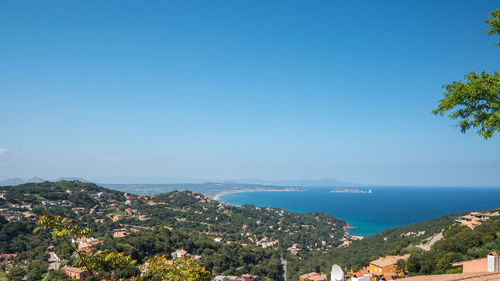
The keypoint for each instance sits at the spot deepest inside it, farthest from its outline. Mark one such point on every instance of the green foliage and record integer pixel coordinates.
(361, 252)
(67, 229)
(218, 258)
(16, 274)
(477, 103)
(57, 275)
(61, 227)
(494, 24)
(459, 243)
(160, 268)
(104, 261)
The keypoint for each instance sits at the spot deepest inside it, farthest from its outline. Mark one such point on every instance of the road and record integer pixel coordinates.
(53, 261)
(283, 264)
(93, 209)
(432, 240)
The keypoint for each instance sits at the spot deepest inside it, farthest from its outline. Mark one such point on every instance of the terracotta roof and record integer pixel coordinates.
(383, 262)
(72, 269)
(361, 273)
(469, 261)
(494, 276)
(313, 276)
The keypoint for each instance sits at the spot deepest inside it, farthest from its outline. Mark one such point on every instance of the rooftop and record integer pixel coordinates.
(389, 260)
(73, 269)
(494, 276)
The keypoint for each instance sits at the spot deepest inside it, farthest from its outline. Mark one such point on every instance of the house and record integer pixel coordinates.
(12, 218)
(361, 278)
(346, 243)
(7, 257)
(488, 264)
(143, 217)
(102, 194)
(388, 277)
(79, 209)
(269, 244)
(86, 244)
(113, 217)
(386, 265)
(474, 219)
(76, 273)
(294, 250)
(362, 275)
(248, 277)
(313, 276)
(179, 254)
(130, 212)
(218, 239)
(119, 234)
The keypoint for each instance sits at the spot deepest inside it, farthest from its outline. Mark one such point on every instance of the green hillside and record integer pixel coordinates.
(253, 238)
(250, 239)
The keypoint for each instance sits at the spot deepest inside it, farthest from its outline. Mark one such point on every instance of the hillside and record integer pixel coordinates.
(248, 233)
(360, 252)
(210, 189)
(457, 243)
(228, 239)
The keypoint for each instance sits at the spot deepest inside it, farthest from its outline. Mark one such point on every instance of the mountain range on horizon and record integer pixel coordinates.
(169, 180)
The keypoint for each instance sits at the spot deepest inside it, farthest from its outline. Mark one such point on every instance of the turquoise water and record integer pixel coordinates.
(386, 207)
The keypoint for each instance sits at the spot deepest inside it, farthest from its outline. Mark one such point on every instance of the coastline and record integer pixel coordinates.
(219, 194)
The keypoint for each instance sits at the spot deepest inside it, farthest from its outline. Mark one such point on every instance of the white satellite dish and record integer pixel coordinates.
(337, 273)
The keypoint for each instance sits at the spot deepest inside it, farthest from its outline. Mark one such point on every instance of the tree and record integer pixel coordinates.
(476, 101)
(186, 269)
(67, 229)
(16, 274)
(156, 268)
(494, 24)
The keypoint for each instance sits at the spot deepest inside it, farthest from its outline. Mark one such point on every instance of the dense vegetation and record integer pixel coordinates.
(17, 237)
(167, 222)
(400, 240)
(459, 243)
(190, 221)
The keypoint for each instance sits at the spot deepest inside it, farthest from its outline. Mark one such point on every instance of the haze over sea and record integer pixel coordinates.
(386, 207)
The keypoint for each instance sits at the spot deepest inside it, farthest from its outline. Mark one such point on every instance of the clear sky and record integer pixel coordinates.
(242, 89)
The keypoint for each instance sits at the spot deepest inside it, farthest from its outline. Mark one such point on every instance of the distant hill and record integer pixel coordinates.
(17, 181)
(144, 180)
(210, 189)
(302, 182)
(12, 181)
(159, 180)
(71, 179)
(35, 180)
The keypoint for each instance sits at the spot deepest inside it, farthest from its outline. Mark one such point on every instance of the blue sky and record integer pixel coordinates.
(242, 89)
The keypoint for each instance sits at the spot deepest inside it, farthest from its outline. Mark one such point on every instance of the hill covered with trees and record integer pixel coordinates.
(227, 239)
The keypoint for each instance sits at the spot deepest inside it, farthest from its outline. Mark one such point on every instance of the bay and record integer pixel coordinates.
(384, 208)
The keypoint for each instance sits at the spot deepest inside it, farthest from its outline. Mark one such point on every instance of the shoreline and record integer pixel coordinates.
(219, 194)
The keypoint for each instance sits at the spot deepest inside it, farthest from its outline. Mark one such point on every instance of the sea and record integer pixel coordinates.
(385, 207)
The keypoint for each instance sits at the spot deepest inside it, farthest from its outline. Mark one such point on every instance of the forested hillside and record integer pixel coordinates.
(249, 239)
(227, 239)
